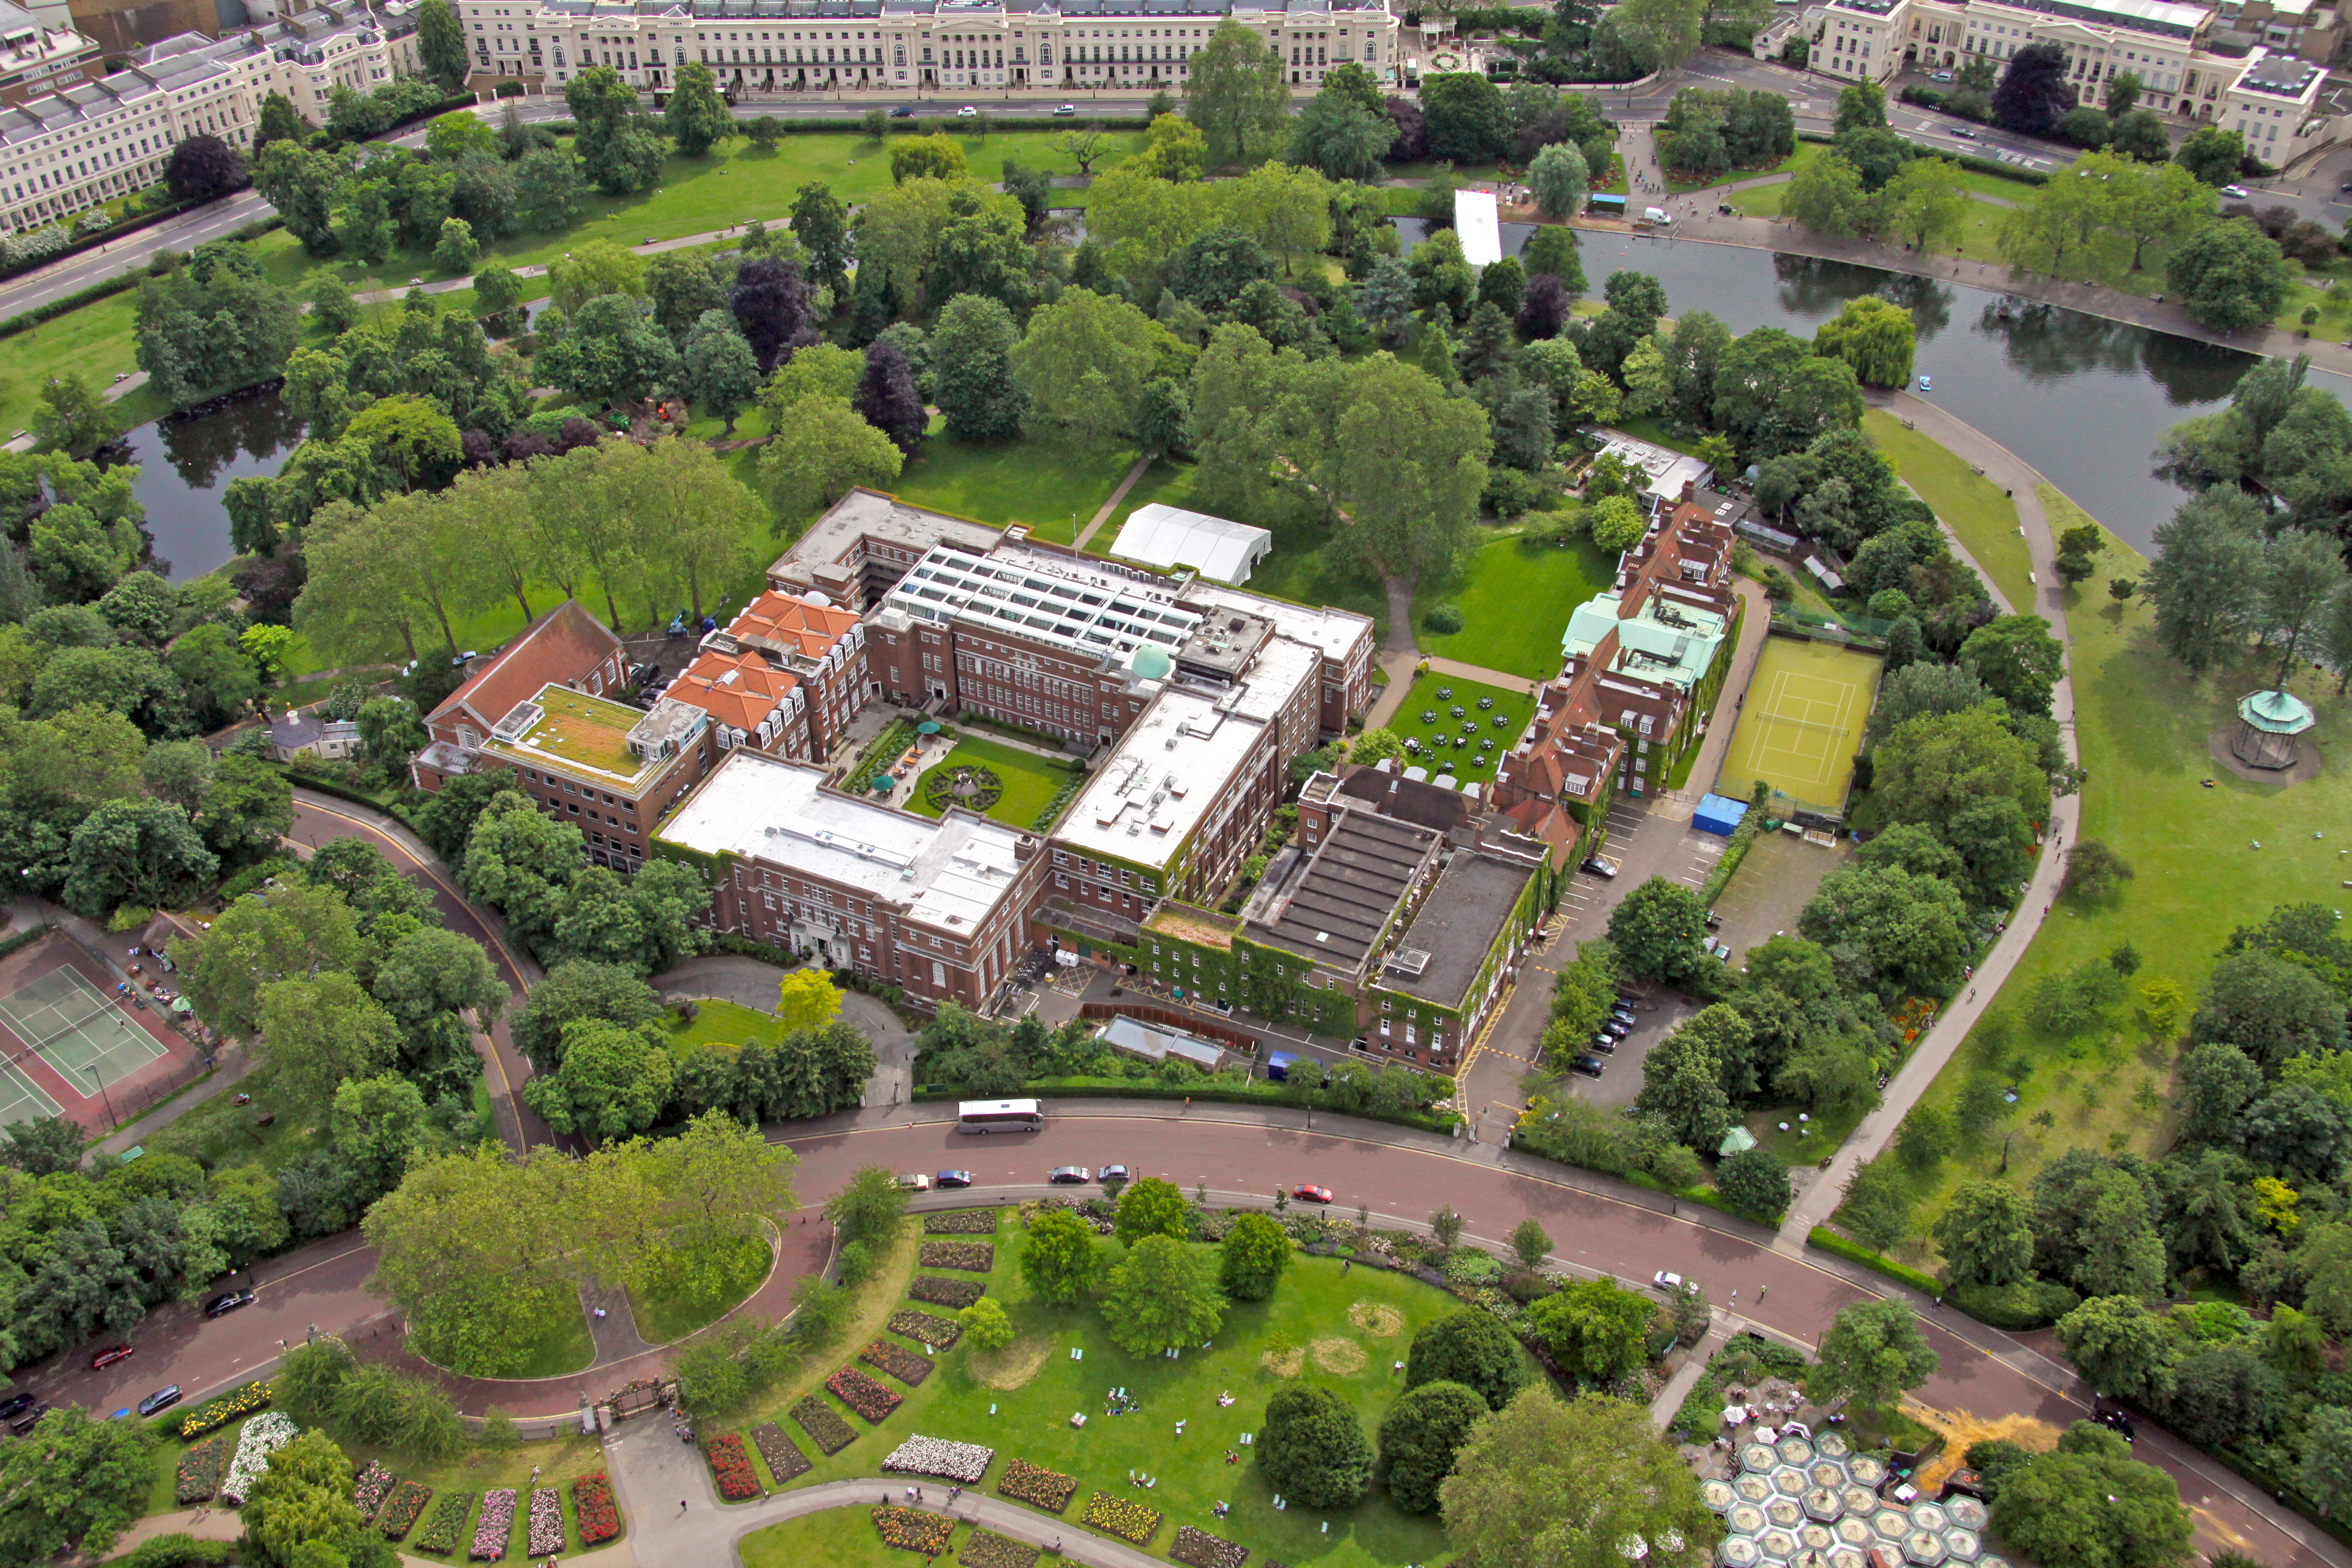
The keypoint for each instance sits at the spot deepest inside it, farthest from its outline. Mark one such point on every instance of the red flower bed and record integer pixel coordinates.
(898, 1361)
(731, 1467)
(593, 1505)
(862, 1394)
(912, 1530)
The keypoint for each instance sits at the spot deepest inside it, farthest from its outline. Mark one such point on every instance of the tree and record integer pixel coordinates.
(1861, 105)
(1872, 1352)
(441, 44)
(824, 450)
(1313, 1450)
(2206, 578)
(619, 151)
(2272, 1008)
(72, 418)
(971, 363)
(2090, 1505)
(1595, 1330)
(1873, 335)
(2034, 94)
(548, 189)
(1341, 139)
(1986, 1234)
(612, 1082)
(1470, 1347)
(2327, 1459)
(197, 331)
(1252, 1257)
(820, 222)
(717, 371)
(1082, 362)
(1756, 1180)
(1931, 768)
(73, 1481)
(301, 186)
(1529, 1244)
(1153, 1207)
(143, 853)
(456, 251)
(697, 118)
(1057, 1257)
(937, 156)
(1658, 930)
(2212, 155)
(1420, 1436)
(1235, 94)
(1162, 1293)
(1560, 181)
(985, 1325)
(1550, 1483)
(2017, 660)
(2302, 577)
(2229, 275)
(202, 167)
(318, 1031)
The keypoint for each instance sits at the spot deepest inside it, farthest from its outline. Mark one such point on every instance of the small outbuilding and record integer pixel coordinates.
(2270, 725)
(1166, 536)
(1478, 223)
(1156, 1043)
(1719, 815)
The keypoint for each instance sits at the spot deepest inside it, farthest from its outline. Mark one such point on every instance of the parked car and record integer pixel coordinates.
(915, 1182)
(904, 111)
(1069, 1175)
(16, 1404)
(1941, 76)
(1623, 1014)
(108, 1356)
(1616, 1028)
(2235, 193)
(1587, 1066)
(1308, 1192)
(1606, 1045)
(162, 1399)
(1601, 866)
(227, 1302)
(1113, 1174)
(954, 1178)
(1964, 133)
(643, 674)
(1672, 1284)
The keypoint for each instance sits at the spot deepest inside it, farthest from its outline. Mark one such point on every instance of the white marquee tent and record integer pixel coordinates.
(1164, 536)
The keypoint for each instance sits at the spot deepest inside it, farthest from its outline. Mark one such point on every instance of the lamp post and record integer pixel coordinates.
(108, 1100)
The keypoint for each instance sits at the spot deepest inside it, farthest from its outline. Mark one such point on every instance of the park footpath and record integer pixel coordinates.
(1821, 1196)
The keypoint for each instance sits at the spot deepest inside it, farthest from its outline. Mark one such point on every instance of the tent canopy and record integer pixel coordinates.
(1164, 536)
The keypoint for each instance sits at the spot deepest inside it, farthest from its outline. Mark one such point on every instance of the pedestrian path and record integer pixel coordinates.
(1686, 1378)
(1142, 465)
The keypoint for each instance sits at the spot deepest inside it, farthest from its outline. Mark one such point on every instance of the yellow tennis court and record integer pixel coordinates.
(1801, 723)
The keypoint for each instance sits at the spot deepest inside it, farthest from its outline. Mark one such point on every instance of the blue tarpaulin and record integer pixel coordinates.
(1720, 814)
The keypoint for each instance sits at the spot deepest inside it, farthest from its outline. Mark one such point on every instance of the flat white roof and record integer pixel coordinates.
(1334, 631)
(1274, 678)
(949, 873)
(1164, 536)
(1098, 611)
(1176, 763)
(1480, 226)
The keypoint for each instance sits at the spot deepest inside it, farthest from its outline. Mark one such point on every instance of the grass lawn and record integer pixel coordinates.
(671, 1310)
(1045, 484)
(1757, 201)
(1030, 782)
(93, 342)
(1166, 481)
(838, 1538)
(218, 1134)
(1515, 600)
(2142, 723)
(724, 1023)
(1311, 566)
(1343, 1329)
(1805, 153)
(1501, 723)
(1985, 523)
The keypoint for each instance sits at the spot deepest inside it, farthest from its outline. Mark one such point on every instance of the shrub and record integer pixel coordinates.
(1444, 620)
(2025, 1304)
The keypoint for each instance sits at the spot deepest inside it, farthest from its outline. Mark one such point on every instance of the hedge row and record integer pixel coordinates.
(1832, 1242)
(1205, 1089)
(1969, 161)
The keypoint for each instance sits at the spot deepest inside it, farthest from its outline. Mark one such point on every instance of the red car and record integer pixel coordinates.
(110, 1355)
(1308, 1193)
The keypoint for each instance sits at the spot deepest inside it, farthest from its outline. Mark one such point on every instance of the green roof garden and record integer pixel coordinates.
(575, 730)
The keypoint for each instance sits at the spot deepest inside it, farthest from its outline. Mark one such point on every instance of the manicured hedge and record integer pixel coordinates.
(1831, 1241)
(1253, 1093)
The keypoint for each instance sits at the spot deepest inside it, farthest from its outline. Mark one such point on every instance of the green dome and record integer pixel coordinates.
(1152, 663)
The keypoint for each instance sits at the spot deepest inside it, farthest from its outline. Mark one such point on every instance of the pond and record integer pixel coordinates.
(186, 464)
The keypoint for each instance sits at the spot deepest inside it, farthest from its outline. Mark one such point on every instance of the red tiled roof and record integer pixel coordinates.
(790, 624)
(563, 644)
(737, 688)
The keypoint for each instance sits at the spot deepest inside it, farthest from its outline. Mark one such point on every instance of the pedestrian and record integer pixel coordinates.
(1760, 1294)
(1973, 992)
(681, 1505)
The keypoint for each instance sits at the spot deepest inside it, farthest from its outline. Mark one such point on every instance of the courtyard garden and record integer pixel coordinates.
(1446, 724)
(1007, 783)
(1064, 1421)
(1513, 599)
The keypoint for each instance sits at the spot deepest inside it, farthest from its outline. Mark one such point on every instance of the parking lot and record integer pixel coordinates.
(1621, 1075)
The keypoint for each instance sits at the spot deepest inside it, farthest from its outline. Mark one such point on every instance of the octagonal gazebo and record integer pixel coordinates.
(2269, 727)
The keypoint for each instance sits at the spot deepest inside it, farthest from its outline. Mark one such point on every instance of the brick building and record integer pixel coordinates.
(936, 908)
(785, 676)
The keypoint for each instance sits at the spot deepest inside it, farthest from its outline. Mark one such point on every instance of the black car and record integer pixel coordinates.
(227, 1302)
(1616, 1028)
(904, 111)
(1606, 1045)
(15, 1405)
(162, 1399)
(1587, 1066)
(643, 674)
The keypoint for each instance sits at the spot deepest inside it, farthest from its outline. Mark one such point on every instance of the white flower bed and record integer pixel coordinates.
(961, 1462)
(492, 1531)
(546, 1521)
(262, 1437)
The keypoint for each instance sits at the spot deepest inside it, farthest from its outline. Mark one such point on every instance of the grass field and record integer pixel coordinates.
(1167, 481)
(1343, 1329)
(720, 1022)
(93, 342)
(1043, 483)
(838, 1538)
(1514, 598)
(1030, 782)
(2142, 723)
(1502, 723)
(666, 1310)
(1802, 723)
(1971, 506)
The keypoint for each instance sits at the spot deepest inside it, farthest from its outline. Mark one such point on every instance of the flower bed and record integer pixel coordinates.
(826, 1428)
(375, 1484)
(545, 1535)
(928, 1327)
(912, 1530)
(201, 1468)
(980, 1256)
(440, 1531)
(943, 1292)
(961, 1222)
(236, 1402)
(1117, 1516)
(263, 1436)
(1036, 1486)
(986, 1549)
(785, 1458)
(496, 1527)
(862, 1394)
(593, 1506)
(1201, 1550)
(961, 1462)
(730, 1467)
(898, 1361)
(398, 1515)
